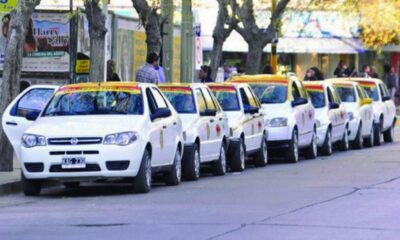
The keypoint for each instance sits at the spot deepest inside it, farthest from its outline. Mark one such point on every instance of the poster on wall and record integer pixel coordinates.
(46, 47)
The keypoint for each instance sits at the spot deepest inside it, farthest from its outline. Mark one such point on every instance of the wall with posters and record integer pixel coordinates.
(46, 48)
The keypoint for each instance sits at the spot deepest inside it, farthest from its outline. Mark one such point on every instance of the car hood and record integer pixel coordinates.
(83, 126)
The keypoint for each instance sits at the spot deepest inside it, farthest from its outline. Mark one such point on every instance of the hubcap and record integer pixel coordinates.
(295, 147)
(392, 132)
(197, 163)
(371, 140)
(223, 159)
(265, 152)
(148, 172)
(178, 166)
(329, 142)
(346, 140)
(242, 156)
(314, 143)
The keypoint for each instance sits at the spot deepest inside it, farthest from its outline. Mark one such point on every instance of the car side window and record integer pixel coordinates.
(151, 100)
(215, 101)
(335, 96)
(245, 101)
(250, 97)
(201, 101)
(360, 93)
(384, 91)
(34, 100)
(295, 91)
(331, 99)
(160, 101)
(209, 101)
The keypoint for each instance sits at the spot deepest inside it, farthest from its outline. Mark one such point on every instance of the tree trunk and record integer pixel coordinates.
(216, 57)
(151, 21)
(9, 86)
(97, 32)
(253, 61)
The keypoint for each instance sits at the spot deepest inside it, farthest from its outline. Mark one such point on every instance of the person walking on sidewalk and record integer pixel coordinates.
(148, 73)
(391, 82)
(205, 74)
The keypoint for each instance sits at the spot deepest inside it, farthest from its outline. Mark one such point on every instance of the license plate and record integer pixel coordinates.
(73, 162)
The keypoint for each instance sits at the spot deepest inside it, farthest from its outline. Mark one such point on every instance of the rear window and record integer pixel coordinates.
(317, 95)
(371, 89)
(346, 93)
(226, 97)
(270, 92)
(181, 98)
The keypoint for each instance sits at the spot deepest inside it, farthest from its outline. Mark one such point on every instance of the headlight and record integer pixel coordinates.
(121, 139)
(31, 140)
(278, 122)
(350, 116)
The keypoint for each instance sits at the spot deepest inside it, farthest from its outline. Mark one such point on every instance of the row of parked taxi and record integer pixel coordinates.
(133, 131)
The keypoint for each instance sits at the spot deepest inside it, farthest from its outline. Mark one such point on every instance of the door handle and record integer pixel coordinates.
(211, 120)
(174, 123)
(164, 127)
(12, 123)
(220, 118)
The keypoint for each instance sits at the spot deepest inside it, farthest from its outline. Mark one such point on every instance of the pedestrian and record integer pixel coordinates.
(310, 75)
(161, 74)
(148, 73)
(391, 82)
(205, 74)
(365, 71)
(112, 76)
(342, 70)
(318, 74)
(267, 69)
(227, 71)
(373, 73)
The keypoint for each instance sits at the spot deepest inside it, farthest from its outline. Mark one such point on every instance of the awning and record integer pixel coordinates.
(235, 43)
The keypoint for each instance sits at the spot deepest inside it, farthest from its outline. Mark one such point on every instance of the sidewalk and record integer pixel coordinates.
(10, 182)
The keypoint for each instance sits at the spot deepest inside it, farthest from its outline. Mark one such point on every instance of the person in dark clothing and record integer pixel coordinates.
(391, 82)
(365, 71)
(342, 70)
(205, 74)
(310, 75)
(112, 76)
(318, 74)
(267, 69)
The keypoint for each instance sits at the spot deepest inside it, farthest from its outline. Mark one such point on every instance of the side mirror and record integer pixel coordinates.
(386, 98)
(160, 113)
(209, 113)
(251, 110)
(299, 101)
(32, 115)
(333, 105)
(366, 101)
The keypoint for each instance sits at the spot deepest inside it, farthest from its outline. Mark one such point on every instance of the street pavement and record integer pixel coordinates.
(351, 195)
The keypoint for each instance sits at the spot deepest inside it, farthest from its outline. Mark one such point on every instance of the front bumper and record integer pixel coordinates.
(97, 158)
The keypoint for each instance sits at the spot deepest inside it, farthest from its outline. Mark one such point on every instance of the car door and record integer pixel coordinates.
(204, 126)
(389, 107)
(302, 115)
(333, 114)
(365, 111)
(14, 121)
(341, 114)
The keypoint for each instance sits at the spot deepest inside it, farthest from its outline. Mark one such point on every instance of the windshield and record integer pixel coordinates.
(317, 96)
(227, 97)
(95, 101)
(270, 92)
(346, 93)
(371, 89)
(181, 98)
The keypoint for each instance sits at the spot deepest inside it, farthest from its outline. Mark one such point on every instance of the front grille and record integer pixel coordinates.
(117, 165)
(75, 141)
(88, 168)
(34, 167)
(74, 153)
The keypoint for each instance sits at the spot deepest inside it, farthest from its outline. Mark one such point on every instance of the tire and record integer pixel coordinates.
(191, 164)
(142, 181)
(326, 149)
(377, 133)
(344, 143)
(238, 158)
(293, 153)
(388, 135)
(72, 185)
(30, 187)
(261, 158)
(173, 177)
(358, 142)
(219, 166)
(312, 150)
(369, 141)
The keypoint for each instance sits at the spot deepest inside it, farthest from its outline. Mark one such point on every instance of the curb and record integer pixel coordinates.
(11, 187)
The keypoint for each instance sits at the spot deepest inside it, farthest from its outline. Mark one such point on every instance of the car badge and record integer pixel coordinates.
(74, 141)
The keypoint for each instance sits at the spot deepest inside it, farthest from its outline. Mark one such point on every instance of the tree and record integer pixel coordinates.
(151, 20)
(9, 86)
(222, 30)
(255, 37)
(97, 32)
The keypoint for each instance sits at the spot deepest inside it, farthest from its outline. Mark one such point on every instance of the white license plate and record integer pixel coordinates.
(73, 162)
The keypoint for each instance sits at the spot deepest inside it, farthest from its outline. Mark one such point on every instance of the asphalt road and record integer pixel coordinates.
(352, 195)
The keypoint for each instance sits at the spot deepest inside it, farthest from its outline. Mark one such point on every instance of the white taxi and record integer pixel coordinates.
(205, 126)
(248, 134)
(383, 107)
(96, 131)
(359, 112)
(331, 116)
(291, 115)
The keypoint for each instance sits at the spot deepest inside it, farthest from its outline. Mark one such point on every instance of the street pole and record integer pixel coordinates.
(105, 11)
(187, 59)
(167, 7)
(274, 58)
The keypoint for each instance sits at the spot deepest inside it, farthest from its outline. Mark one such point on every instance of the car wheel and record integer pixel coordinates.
(388, 135)
(344, 143)
(369, 141)
(358, 142)
(173, 177)
(142, 181)
(191, 165)
(293, 154)
(377, 134)
(30, 187)
(239, 157)
(326, 148)
(219, 166)
(312, 150)
(261, 158)
(72, 184)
